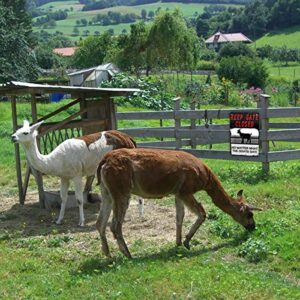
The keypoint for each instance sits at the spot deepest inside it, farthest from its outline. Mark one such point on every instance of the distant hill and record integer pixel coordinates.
(75, 13)
(289, 37)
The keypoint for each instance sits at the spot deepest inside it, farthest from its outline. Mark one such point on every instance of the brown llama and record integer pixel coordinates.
(154, 173)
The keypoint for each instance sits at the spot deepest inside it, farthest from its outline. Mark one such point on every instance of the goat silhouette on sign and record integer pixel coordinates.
(245, 136)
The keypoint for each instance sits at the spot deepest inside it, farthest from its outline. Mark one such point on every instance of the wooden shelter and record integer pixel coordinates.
(96, 113)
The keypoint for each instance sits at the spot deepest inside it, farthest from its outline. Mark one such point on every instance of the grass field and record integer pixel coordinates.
(279, 70)
(40, 260)
(66, 26)
(289, 37)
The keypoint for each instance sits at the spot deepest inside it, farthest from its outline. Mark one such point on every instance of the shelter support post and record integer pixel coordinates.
(17, 150)
(37, 175)
(263, 104)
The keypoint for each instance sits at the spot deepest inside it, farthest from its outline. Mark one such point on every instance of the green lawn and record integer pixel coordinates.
(289, 37)
(40, 260)
(291, 71)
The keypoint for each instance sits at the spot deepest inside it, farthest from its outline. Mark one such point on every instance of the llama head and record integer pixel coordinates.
(243, 213)
(26, 133)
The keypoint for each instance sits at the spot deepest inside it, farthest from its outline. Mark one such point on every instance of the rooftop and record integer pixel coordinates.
(68, 51)
(220, 37)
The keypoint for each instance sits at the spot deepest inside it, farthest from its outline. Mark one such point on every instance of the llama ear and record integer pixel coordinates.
(36, 126)
(251, 207)
(240, 194)
(25, 123)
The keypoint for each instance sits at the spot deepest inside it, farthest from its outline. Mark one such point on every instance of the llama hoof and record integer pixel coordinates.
(59, 222)
(187, 244)
(81, 224)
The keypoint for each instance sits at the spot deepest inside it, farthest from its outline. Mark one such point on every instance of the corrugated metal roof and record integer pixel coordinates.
(16, 87)
(220, 37)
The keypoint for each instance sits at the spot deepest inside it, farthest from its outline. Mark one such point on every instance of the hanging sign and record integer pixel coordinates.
(244, 133)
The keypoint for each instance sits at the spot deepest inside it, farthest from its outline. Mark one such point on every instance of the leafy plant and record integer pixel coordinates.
(152, 95)
(254, 250)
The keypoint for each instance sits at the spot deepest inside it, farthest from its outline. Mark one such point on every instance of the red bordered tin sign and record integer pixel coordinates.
(244, 133)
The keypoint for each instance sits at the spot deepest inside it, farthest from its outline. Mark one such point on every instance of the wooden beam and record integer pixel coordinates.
(64, 122)
(59, 110)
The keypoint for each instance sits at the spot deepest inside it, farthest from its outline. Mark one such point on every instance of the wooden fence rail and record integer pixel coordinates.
(187, 137)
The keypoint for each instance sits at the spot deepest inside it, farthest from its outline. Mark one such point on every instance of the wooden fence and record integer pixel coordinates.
(189, 136)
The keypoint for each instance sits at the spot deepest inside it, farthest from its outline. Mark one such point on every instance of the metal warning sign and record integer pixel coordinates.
(244, 133)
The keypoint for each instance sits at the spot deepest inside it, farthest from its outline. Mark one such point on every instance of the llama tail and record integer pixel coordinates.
(102, 162)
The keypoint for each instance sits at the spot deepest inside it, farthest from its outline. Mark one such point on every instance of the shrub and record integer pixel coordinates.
(241, 69)
(152, 95)
(236, 49)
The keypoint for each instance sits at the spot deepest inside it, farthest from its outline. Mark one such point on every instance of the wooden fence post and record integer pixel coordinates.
(193, 125)
(177, 121)
(17, 149)
(263, 104)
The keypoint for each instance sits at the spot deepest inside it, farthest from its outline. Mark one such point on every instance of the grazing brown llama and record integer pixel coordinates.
(153, 173)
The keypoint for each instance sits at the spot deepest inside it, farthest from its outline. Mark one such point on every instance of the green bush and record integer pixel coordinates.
(207, 65)
(241, 69)
(152, 95)
(236, 49)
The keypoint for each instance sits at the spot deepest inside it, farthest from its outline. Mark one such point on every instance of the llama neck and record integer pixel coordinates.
(35, 158)
(219, 196)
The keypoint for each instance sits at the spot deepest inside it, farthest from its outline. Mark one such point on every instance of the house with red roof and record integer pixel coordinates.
(66, 52)
(218, 39)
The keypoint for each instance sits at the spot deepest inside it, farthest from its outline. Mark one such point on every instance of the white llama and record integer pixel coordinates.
(72, 159)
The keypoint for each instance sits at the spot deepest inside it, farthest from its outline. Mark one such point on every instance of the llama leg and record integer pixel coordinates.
(120, 206)
(105, 210)
(179, 220)
(141, 207)
(79, 198)
(197, 208)
(64, 186)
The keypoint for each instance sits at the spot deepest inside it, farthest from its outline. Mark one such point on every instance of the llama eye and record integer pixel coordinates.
(25, 133)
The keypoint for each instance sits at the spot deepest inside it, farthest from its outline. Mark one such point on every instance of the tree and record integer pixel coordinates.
(236, 49)
(202, 27)
(170, 41)
(242, 69)
(84, 22)
(75, 31)
(144, 14)
(17, 60)
(92, 51)
(151, 14)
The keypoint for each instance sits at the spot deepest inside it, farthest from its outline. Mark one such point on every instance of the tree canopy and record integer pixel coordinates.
(17, 60)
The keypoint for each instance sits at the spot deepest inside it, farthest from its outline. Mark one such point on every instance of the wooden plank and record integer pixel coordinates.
(64, 122)
(75, 124)
(284, 112)
(59, 110)
(284, 125)
(284, 135)
(220, 154)
(149, 132)
(284, 155)
(149, 115)
(162, 144)
(17, 150)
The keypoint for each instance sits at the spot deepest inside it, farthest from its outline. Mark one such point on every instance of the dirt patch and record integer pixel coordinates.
(29, 220)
